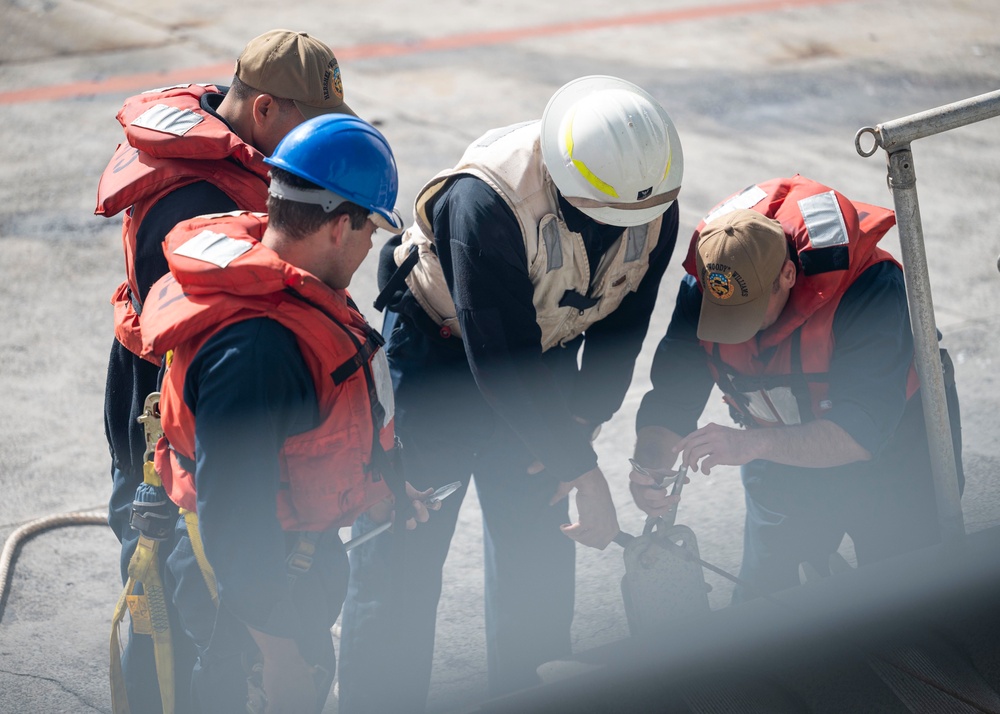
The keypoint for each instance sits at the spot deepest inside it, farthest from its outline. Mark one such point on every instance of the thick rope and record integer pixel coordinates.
(15, 540)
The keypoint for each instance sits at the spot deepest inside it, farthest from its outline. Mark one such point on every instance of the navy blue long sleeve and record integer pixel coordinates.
(249, 389)
(482, 253)
(680, 378)
(613, 344)
(872, 354)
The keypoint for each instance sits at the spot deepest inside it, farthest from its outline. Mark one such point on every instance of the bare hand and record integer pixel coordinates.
(385, 509)
(420, 506)
(598, 523)
(651, 496)
(715, 445)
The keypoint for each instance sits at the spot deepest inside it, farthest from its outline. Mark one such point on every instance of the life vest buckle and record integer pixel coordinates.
(300, 558)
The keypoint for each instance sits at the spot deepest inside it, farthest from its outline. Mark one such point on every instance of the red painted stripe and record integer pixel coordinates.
(223, 72)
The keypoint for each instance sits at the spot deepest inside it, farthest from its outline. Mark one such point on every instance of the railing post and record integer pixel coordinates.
(895, 137)
(903, 184)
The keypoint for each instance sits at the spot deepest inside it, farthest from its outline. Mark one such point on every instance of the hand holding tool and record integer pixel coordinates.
(435, 498)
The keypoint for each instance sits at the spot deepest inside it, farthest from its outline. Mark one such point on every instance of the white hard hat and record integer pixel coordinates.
(611, 150)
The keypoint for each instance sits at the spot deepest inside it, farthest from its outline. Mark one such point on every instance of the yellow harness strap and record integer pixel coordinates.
(191, 521)
(149, 617)
(147, 610)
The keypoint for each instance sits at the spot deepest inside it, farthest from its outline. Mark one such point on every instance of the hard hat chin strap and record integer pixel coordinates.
(328, 200)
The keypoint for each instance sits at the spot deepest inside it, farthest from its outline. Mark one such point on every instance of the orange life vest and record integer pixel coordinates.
(170, 142)
(779, 377)
(221, 274)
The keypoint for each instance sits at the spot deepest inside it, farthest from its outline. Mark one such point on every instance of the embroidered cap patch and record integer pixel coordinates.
(720, 283)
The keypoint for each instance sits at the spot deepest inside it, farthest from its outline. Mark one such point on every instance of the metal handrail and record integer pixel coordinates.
(895, 137)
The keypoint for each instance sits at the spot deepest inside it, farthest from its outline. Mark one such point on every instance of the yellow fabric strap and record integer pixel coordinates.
(148, 611)
(150, 476)
(149, 616)
(191, 521)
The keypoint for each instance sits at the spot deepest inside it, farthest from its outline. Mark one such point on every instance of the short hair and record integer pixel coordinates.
(297, 220)
(244, 92)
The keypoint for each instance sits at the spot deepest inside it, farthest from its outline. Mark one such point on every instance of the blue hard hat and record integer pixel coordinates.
(349, 158)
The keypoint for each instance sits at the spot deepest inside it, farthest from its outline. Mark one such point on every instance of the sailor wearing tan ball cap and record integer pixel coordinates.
(740, 258)
(792, 309)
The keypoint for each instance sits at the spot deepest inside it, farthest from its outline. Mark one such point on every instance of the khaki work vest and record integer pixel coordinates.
(509, 160)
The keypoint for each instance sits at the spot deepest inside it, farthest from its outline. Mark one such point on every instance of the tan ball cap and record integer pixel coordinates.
(739, 256)
(293, 65)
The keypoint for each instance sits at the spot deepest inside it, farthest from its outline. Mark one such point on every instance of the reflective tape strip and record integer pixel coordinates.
(383, 386)
(748, 198)
(211, 247)
(553, 246)
(169, 120)
(589, 175)
(776, 406)
(636, 245)
(824, 220)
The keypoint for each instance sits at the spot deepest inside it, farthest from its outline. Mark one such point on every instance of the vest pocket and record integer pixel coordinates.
(325, 478)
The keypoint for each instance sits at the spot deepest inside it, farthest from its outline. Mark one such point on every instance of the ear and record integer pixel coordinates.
(788, 274)
(338, 227)
(264, 109)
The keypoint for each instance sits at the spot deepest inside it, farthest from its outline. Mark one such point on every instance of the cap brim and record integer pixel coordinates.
(391, 222)
(731, 324)
(311, 112)
(559, 169)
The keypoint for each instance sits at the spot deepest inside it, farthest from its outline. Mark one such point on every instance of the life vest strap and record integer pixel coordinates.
(736, 387)
(359, 359)
(397, 281)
